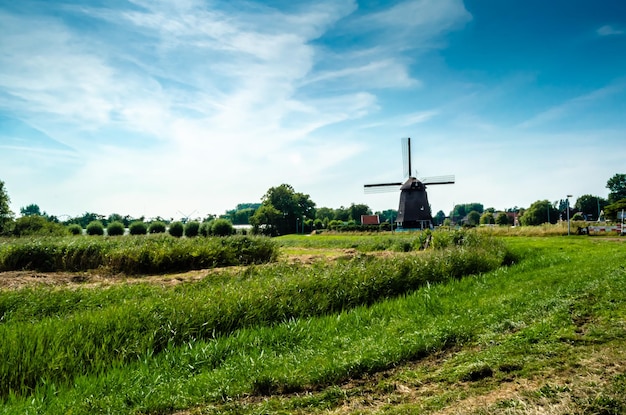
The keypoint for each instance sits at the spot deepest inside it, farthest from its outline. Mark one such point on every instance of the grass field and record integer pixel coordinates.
(482, 325)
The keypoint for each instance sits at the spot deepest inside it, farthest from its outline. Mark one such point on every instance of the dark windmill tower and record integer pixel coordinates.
(413, 210)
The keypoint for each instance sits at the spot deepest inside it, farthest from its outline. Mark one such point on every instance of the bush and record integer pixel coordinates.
(156, 227)
(222, 227)
(138, 228)
(115, 229)
(75, 229)
(36, 225)
(206, 228)
(95, 227)
(192, 228)
(176, 229)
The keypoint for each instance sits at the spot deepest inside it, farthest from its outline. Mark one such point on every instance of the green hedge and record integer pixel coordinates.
(137, 255)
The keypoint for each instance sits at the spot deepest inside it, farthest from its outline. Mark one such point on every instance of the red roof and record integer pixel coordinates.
(370, 220)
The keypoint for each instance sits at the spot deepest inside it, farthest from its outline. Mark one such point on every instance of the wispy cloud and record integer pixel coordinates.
(206, 91)
(575, 105)
(608, 30)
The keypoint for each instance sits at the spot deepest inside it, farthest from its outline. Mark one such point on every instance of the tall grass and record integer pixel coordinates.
(533, 300)
(134, 255)
(55, 335)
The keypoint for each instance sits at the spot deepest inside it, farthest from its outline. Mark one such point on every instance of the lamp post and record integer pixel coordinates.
(567, 207)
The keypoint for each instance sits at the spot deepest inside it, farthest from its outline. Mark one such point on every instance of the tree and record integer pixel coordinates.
(292, 207)
(487, 218)
(30, 210)
(342, 214)
(502, 219)
(37, 225)
(460, 211)
(388, 215)
(356, 211)
(473, 218)
(439, 218)
(324, 213)
(6, 215)
(266, 220)
(542, 211)
(590, 206)
(612, 209)
(617, 186)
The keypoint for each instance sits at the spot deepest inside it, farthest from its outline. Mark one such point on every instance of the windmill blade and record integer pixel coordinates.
(406, 156)
(382, 187)
(448, 179)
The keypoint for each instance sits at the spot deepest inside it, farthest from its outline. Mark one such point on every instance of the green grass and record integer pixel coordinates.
(564, 295)
(133, 255)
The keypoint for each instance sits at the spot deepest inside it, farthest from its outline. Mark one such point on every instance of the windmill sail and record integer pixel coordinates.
(414, 209)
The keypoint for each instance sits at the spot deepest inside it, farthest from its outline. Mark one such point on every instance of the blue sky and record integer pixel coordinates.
(163, 108)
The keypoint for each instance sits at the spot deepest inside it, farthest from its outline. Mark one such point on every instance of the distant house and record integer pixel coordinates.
(370, 220)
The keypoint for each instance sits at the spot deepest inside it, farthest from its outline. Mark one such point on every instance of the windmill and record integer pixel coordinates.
(413, 210)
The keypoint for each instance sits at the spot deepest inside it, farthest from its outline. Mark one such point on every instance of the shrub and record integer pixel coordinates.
(222, 227)
(156, 227)
(115, 228)
(192, 228)
(95, 227)
(138, 228)
(36, 225)
(206, 228)
(75, 229)
(176, 229)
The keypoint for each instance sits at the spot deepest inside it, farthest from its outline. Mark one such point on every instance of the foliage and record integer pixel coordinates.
(222, 227)
(138, 227)
(473, 218)
(95, 228)
(115, 228)
(281, 209)
(138, 255)
(242, 213)
(590, 205)
(142, 348)
(6, 215)
(37, 226)
(461, 211)
(87, 332)
(156, 226)
(487, 219)
(541, 211)
(358, 210)
(206, 228)
(75, 229)
(192, 228)
(176, 229)
(502, 219)
(266, 220)
(612, 209)
(439, 218)
(617, 186)
(30, 210)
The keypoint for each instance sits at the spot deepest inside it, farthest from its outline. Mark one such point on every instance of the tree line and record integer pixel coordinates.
(282, 211)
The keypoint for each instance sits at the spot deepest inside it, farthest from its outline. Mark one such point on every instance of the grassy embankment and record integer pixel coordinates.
(288, 338)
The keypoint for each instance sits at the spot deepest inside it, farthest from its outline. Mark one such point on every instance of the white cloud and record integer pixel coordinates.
(608, 30)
